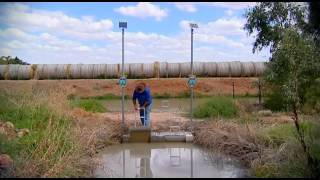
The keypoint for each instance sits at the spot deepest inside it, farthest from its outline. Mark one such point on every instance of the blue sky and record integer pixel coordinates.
(60, 32)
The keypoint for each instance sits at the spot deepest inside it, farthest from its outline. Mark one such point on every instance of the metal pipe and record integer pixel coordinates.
(122, 88)
(191, 51)
(191, 93)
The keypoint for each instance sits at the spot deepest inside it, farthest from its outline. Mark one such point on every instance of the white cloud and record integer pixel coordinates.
(143, 10)
(186, 6)
(192, 6)
(231, 5)
(229, 12)
(67, 39)
(32, 20)
(222, 26)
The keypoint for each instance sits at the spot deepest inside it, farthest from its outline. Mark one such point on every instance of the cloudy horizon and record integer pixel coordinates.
(88, 33)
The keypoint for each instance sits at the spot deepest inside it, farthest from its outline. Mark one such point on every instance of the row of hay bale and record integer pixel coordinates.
(133, 70)
(213, 69)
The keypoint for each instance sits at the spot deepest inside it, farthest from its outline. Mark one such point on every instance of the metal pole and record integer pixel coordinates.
(191, 51)
(191, 98)
(122, 69)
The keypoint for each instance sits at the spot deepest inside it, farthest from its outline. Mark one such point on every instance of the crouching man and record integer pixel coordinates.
(143, 94)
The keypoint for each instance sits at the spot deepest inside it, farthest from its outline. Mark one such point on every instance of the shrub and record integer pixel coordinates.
(275, 102)
(216, 107)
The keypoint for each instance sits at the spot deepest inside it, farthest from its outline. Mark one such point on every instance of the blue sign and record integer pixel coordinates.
(192, 81)
(122, 81)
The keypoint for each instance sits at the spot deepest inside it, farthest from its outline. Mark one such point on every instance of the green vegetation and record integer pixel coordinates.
(275, 102)
(294, 65)
(10, 60)
(293, 160)
(216, 107)
(90, 105)
(48, 150)
(161, 96)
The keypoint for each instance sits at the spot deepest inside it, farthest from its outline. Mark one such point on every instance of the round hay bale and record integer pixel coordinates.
(248, 69)
(223, 69)
(199, 68)
(99, 71)
(3, 71)
(13, 71)
(87, 71)
(61, 71)
(75, 71)
(24, 72)
(163, 70)
(260, 67)
(210, 69)
(235, 68)
(173, 69)
(156, 67)
(136, 70)
(49, 71)
(112, 71)
(148, 70)
(185, 69)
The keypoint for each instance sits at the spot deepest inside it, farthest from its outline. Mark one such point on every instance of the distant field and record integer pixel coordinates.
(159, 87)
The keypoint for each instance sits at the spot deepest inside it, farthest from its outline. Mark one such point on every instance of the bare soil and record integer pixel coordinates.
(171, 86)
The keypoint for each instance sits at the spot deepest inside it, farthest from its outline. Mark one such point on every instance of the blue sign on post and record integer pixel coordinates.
(122, 81)
(192, 81)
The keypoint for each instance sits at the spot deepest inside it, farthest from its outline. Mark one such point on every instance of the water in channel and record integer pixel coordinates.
(164, 160)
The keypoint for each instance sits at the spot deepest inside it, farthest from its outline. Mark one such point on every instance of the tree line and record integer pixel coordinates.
(11, 60)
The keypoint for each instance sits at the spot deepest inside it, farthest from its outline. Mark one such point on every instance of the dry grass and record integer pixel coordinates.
(64, 147)
(229, 138)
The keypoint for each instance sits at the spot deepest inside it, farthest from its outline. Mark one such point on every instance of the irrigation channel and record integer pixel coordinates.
(163, 159)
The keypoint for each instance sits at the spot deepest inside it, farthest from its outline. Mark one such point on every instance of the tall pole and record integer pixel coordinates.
(191, 94)
(122, 69)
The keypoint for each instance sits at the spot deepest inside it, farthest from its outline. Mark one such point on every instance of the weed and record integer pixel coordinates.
(90, 105)
(216, 107)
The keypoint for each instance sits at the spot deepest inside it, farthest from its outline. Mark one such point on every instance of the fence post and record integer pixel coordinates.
(233, 89)
(259, 86)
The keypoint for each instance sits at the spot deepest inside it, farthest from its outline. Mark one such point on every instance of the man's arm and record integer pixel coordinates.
(134, 100)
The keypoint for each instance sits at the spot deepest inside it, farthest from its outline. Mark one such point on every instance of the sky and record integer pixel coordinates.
(88, 33)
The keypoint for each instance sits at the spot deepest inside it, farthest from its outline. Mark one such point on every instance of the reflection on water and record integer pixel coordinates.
(165, 160)
(175, 104)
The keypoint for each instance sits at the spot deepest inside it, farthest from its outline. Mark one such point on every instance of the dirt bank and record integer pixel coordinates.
(172, 86)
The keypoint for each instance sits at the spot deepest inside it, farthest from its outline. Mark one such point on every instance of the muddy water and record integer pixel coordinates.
(165, 160)
(175, 104)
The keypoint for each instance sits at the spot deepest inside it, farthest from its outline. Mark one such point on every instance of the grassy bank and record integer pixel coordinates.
(50, 149)
(266, 143)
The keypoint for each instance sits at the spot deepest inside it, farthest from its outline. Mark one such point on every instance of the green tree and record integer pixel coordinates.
(269, 19)
(295, 60)
(10, 60)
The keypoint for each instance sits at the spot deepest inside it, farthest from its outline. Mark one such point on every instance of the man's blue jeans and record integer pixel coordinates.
(145, 120)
